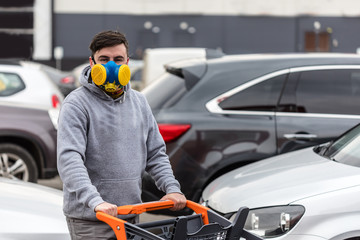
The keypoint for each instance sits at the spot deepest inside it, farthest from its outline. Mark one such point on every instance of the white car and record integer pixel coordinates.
(31, 211)
(311, 194)
(27, 83)
(65, 81)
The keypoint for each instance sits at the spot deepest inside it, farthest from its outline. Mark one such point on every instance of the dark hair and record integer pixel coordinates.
(108, 39)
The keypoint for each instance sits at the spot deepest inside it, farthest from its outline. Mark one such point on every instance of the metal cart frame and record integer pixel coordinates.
(204, 224)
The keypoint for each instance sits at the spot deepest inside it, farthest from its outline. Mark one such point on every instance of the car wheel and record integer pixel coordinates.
(17, 163)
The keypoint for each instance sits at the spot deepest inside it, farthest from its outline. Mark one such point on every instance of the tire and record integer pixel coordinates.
(17, 163)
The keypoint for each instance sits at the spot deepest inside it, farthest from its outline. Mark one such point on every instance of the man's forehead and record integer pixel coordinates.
(114, 51)
(114, 56)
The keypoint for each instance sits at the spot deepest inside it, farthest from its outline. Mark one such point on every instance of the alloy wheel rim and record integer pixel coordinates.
(13, 167)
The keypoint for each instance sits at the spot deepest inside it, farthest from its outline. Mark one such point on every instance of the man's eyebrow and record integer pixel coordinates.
(104, 56)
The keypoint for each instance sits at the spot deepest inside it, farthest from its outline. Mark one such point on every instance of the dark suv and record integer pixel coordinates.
(221, 113)
(27, 141)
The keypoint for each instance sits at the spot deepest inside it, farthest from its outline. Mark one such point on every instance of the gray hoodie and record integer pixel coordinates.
(104, 146)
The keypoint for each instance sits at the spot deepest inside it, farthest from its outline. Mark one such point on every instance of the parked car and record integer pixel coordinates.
(78, 70)
(222, 113)
(136, 69)
(65, 80)
(27, 141)
(24, 83)
(156, 58)
(31, 211)
(311, 193)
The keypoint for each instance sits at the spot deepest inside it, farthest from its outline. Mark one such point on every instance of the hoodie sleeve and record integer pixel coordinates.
(71, 147)
(158, 164)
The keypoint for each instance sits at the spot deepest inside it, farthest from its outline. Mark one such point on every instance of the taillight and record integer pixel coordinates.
(68, 80)
(55, 101)
(171, 132)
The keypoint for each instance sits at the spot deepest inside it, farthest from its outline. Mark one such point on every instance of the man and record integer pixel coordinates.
(107, 138)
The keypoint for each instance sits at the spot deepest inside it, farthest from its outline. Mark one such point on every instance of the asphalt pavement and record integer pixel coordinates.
(145, 217)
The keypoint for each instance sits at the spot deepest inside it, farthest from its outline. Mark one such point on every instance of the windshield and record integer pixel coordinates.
(346, 149)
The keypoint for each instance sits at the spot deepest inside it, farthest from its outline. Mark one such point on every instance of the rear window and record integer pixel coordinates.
(263, 96)
(10, 84)
(334, 91)
(165, 91)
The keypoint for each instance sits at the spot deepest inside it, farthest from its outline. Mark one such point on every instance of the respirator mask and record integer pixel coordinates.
(110, 77)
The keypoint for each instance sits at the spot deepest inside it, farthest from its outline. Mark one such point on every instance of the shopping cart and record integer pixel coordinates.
(204, 224)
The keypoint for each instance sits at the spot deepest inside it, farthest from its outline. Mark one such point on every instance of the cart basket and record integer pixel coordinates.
(204, 224)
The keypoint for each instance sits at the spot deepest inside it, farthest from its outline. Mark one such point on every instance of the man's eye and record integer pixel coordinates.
(104, 60)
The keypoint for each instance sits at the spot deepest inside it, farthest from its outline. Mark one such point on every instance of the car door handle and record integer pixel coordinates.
(300, 136)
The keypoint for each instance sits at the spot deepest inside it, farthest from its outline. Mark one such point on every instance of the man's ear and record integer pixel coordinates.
(91, 61)
(127, 61)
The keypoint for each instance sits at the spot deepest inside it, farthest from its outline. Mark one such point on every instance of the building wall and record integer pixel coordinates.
(235, 26)
(290, 8)
(231, 34)
(16, 28)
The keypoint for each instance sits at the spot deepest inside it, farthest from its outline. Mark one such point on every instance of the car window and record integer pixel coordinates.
(165, 91)
(325, 91)
(10, 84)
(263, 96)
(346, 148)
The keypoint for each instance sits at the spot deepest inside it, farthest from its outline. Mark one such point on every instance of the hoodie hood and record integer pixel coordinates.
(96, 90)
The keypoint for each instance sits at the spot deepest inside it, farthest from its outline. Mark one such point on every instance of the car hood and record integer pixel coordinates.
(280, 180)
(31, 211)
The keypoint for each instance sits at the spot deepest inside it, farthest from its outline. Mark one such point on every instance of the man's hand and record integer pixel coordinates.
(178, 199)
(108, 208)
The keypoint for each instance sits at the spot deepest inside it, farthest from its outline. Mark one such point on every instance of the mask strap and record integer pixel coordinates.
(93, 59)
(90, 78)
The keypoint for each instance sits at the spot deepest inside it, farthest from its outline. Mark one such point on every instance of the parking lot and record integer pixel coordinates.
(247, 107)
(52, 182)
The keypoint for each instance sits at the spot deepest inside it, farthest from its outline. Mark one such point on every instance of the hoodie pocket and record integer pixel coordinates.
(120, 191)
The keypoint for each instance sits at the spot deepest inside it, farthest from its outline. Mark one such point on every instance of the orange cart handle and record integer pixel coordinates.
(157, 205)
(144, 207)
(118, 225)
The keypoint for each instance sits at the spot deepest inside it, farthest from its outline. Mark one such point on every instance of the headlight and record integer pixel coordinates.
(273, 221)
(203, 202)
